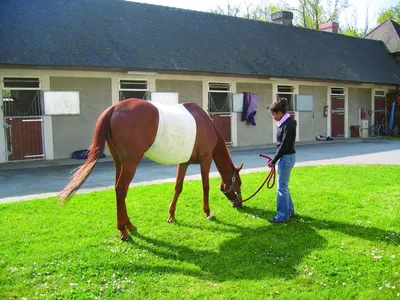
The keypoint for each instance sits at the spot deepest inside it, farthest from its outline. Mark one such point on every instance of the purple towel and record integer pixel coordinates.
(251, 110)
(246, 103)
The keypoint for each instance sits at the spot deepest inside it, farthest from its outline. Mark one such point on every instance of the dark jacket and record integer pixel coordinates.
(286, 137)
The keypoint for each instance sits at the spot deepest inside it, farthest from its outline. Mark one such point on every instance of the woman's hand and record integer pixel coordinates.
(271, 164)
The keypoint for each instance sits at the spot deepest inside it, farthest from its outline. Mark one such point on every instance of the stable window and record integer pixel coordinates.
(219, 97)
(218, 87)
(31, 83)
(21, 103)
(337, 92)
(133, 89)
(380, 93)
(287, 92)
(286, 89)
(21, 96)
(133, 85)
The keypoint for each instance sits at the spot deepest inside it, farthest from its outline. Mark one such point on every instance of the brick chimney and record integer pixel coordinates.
(329, 27)
(282, 17)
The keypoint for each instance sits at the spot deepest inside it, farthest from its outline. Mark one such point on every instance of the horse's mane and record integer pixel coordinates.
(222, 156)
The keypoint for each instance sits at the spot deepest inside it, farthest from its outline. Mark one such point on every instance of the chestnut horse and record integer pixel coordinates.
(129, 128)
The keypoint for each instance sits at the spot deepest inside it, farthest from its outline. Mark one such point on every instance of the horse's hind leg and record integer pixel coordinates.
(205, 166)
(117, 162)
(180, 176)
(118, 174)
(121, 188)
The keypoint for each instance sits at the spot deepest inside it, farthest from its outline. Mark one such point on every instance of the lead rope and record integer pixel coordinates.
(271, 176)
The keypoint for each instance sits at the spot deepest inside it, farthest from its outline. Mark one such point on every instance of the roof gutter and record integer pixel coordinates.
(155, 72)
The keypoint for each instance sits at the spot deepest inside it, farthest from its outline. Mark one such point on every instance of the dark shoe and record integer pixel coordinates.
(292, 215)
(275, 220)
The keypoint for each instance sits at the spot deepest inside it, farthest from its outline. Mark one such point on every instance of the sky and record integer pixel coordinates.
(360, 6)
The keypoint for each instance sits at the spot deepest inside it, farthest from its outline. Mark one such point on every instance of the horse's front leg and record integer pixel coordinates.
(205, 173)
(180, 176)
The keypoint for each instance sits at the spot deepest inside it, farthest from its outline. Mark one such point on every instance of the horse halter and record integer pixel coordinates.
(232, 188)
(267, 182)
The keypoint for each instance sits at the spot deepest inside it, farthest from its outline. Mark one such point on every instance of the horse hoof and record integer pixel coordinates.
(171, 220)
(210, 217)
(128, 238)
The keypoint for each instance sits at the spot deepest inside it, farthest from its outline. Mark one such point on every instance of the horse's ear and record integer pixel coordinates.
(239, 168)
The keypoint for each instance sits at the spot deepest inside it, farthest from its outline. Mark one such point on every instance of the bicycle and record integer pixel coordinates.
(378, 129)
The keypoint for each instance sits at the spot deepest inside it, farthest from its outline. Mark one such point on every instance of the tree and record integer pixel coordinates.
(307, 14)
(229, 10)
(312, 13)
(261, 11)
(351, 27)
(392, 12)
(336, 8)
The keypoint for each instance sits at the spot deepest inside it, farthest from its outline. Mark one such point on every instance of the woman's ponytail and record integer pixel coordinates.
(280, 105)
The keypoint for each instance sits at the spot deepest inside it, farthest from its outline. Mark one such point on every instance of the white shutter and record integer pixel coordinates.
(165, 98)
(61, 103)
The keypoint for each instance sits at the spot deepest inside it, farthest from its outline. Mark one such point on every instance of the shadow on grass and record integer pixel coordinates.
(268, 251)
(366, 233)
(271, 251)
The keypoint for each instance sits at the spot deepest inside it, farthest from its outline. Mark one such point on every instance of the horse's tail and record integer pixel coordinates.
(100, 136)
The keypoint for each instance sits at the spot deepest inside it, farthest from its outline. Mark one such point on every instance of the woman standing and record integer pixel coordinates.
(286, 155)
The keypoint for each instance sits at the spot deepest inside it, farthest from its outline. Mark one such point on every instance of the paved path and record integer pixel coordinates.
(41, 182)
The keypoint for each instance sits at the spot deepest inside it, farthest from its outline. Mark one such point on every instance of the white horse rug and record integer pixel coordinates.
(175, 137)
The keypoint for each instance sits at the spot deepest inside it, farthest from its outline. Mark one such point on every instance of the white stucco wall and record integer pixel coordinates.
(108, 87)
(262, 133)
(319, 123)
(71, 133)
(189, 91)
(359, 98)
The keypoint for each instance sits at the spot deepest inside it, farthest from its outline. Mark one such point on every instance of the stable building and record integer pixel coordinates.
(99, 52)
(389, 33)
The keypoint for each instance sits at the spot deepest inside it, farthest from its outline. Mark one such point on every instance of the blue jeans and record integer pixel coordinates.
(284, 203)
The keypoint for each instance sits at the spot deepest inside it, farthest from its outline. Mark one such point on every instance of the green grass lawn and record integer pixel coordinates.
(344, 244)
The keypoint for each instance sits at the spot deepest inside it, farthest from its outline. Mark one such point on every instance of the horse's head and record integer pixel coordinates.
(231, 189)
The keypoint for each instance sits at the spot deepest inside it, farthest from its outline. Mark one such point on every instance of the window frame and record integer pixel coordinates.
(293, 93)
(22, 88)
(380, 90)
(133, 80)
(337, 88)
(220, 83)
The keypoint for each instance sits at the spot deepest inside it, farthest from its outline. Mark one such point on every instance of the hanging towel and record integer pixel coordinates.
(251, 110)
(246, 103)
